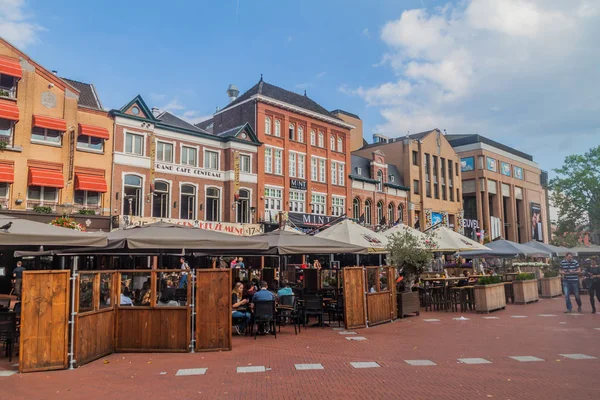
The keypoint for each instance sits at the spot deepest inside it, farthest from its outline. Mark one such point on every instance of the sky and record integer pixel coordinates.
(522, 72)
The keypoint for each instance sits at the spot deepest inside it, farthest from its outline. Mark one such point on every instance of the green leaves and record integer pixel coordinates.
(411, 254)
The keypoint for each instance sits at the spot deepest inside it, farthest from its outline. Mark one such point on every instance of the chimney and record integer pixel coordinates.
(55, 72)
(155, 111)
(232, 92)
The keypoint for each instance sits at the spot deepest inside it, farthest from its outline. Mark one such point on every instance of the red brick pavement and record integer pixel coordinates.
(137, 376)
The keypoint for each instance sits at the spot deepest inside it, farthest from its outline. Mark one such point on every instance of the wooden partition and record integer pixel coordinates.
(213, 309)
(381, 296)
(95, 320)
(355, 310)
(44, 321)
(152, 327)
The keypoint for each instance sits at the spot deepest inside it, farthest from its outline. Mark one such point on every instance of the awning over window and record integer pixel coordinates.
(7, 173)
(92, 183)
(10, 66)
(9, 110)
(46, 177)
(57, 124)
(95, 131)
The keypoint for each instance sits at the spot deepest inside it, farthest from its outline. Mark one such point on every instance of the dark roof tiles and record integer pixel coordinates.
(166, 118)
(87, 94)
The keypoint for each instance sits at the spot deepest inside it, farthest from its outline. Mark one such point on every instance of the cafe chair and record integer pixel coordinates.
(8, 333)
(264, 313)
(288, 311)
(313, 305)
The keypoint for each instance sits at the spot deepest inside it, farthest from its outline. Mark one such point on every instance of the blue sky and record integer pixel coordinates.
(523, 72)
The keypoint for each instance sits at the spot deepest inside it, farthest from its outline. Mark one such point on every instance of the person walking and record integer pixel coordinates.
(183, 277)
(593, 274)
(18, 276)
(569, 270)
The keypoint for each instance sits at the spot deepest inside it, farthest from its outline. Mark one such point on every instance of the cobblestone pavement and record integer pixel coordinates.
(523, 352)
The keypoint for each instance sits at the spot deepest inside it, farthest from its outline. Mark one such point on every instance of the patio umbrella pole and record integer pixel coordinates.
(74, 275)
(358, 260)
(193, 307)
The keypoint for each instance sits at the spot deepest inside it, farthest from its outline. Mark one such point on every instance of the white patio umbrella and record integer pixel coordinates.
(449, 241)
(350, 232)
(401, 229)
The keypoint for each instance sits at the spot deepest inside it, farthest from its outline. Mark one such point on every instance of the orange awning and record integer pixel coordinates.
(93, 183)
(57, 124)
(9, 110)
(10, 66)
(7, 173)
(46, 177)
(95, 131)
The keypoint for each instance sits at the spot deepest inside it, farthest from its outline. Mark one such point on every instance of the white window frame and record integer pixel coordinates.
(297, 201)
(292, 132)
(269, 160)
(332, 142)
(220, 189)
(342, 175)
(313, 137)
(85, 199)
(163, 142)
(318, 203)
(300, 134)
(292, 164)
(277, 128)
(89, 140)
(187, 146)
(196, 205)
(142, 190)
(314, 169)
(379, 181)
(45, 139)
(322, 170)
(41, 199)
(301, 166)
(143, 149)
(273, 195)
(217, 152)
(340, 144)
(338, 205)
(334, 173)
(278, 161)
(169, 198)
(249, 156)
(268, 125)
(321, 139)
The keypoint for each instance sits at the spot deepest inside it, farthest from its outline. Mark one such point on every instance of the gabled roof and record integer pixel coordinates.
(364, 164)
(139, 101)
(274, 92)
(462, 140)
(206, 125)
(88, 97)
(234, 132)
(168, 119)
(414, 136)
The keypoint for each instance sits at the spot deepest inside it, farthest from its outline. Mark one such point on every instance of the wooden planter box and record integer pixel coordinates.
(489, 297)
(526, 291)
(408, 303)
(551, 287)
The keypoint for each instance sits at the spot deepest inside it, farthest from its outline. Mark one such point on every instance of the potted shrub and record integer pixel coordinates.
(489, 294)
(525, 287)
(410, 255)
(551, 284)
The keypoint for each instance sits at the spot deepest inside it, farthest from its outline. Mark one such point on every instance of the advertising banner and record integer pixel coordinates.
(236, 175)
(127, 221)
(537, 227)
(467, 164)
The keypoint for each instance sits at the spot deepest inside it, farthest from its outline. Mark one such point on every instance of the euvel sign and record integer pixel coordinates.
(189, 171)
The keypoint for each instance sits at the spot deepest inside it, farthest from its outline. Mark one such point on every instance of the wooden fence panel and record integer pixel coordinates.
(354, 298)
(379, 309)
(213, 309)
(44, 321)
(147, 329)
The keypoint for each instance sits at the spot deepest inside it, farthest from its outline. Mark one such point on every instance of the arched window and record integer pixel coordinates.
(160, 200)
(380, 180)
(391, 213)
(187, 202)
(133, 194)
(321, 139)
(368, 218)
(356, 208)
(291, 131)
(332, 143)
(301, 134)
(213, 204)
(400, 213)
(267, 126)
(313, 137)
(277, 127)
(243, 207)
(340, 143)
(380, 212)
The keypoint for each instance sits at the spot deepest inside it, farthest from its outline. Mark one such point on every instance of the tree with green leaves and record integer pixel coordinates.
(576, 193)
(410, 255)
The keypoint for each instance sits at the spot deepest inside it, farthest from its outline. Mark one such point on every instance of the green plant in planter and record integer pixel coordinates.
(85, 211)
(489, 280)
(410, 255)
(42, 209)
(525, 276)
(551, 273)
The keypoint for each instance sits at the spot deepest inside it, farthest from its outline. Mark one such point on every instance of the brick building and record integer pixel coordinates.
(304, 158)
(429, 166)
(375, 200)
(166, 168)
(54, 156)
(504, 190)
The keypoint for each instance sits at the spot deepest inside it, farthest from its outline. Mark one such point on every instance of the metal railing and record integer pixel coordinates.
(32, 204)
(10, 92)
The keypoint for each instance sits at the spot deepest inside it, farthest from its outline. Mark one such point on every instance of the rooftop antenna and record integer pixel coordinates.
(304, 92)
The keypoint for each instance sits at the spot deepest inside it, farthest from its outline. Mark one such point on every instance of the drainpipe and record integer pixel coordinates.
(74, 277)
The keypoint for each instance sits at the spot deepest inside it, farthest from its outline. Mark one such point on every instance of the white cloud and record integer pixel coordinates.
(177, 108)
(321, 74)
(523, 72)
(173, 105)
(366, 33)
(16, 25)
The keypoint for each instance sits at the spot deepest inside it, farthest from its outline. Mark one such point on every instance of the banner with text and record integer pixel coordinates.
(127, 221)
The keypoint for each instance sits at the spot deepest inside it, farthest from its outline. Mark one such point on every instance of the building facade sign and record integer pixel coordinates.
(188, 171)
(309, 219)
(298, 184)
(127, 221)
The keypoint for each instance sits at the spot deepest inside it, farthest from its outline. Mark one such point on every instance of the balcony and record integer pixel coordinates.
(8, 91)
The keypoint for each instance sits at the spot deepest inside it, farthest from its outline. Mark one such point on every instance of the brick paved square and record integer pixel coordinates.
(526, 358)
(474, 361)
(578, 356)
(356, 338)
(191, 371)
(362, 364)
(420, 363)
(246, 370)
(307, 367)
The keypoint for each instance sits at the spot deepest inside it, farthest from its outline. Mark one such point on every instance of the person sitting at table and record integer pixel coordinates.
(166, 300)
(286, 290)
(239, 309)
(124, 299)
(250, 290)
(263, 294)
(464, 282)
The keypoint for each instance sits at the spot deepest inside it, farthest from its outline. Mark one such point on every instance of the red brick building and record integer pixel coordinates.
(304, 160)
(167, 168)
(379, 197)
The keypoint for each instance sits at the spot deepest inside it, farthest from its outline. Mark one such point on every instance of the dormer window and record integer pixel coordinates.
(358, 170)
(391, 178)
